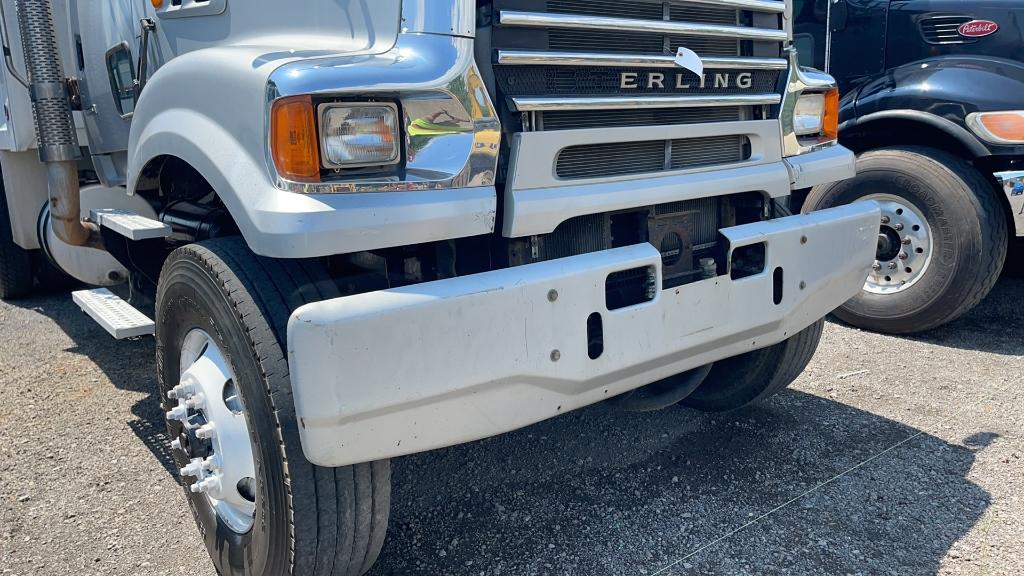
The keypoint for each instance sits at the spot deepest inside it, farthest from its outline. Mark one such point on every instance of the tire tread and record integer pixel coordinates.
(263, 292)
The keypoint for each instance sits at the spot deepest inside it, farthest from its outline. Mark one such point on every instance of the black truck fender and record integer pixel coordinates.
(938, 94)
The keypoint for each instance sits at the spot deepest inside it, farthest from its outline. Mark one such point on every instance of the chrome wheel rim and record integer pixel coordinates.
(905, 246)
(216, 432)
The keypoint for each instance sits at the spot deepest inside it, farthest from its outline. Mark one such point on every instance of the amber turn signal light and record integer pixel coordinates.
(830, 118)
(294, 142)
(998, 127)
(157, 3)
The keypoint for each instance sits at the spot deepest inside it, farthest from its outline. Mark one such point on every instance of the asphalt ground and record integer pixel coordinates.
(888, 456)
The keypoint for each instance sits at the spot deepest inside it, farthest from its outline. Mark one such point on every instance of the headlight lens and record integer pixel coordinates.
(354, 135)
(808, 114)
(817, 114)
(998, 127)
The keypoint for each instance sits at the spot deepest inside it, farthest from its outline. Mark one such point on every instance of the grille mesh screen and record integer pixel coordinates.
(622, 158)
(571, 119)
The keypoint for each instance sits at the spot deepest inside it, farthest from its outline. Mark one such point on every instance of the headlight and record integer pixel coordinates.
(358, 134)
(817, 114)
(998, 127)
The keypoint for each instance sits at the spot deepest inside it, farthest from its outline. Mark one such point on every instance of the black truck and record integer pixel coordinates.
(933, 105)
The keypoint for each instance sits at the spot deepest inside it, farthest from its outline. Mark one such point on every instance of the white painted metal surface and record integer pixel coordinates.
(116, 316)
(399, 371)
(130, 224)
(826, 165)
(536, 202)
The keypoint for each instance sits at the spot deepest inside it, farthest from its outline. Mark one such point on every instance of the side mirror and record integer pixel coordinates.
(122, 78)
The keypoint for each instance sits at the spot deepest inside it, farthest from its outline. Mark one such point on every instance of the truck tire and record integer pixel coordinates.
(15, 261)
(956, 229)
(303, 519)
(755, 376)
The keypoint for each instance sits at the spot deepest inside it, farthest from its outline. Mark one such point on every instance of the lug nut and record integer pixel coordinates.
(177, 413)
(876, 266)
(206, 432)
(210, 485)
(903, 255)
(183, 390)
(212, 463)
(906, 240)
(898, 226)
(196, 402)
(885, 219)
(193, 468)
(892, 265)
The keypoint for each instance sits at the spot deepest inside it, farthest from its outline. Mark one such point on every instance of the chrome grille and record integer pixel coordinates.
(944, 29)
(624, 158)
(550, 53)
(560, 65)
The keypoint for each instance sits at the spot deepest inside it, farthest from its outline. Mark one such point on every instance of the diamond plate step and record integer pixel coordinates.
(129, 224)
(116, 316)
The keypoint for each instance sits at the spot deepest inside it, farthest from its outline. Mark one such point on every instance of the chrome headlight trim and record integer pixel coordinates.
(800, 80)
(450, 127)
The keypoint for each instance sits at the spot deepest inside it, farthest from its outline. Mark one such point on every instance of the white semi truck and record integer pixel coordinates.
(359, 230)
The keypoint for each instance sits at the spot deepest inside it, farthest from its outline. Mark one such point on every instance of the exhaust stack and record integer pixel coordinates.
(55, 129)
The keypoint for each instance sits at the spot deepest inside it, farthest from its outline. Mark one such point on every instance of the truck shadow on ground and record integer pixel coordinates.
(600, 492)
(994, 326)
(127, 363)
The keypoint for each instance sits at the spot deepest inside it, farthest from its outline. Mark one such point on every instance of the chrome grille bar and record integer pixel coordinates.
(773, 6)
(518, 57)
(584, 22)
(633, 102)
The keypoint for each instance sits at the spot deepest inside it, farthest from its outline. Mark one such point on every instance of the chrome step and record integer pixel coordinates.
(119, 318)
(129, 224)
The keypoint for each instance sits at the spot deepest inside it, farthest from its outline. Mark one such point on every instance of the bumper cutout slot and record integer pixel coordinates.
(595, 336)
(747, 261)
(630, 287)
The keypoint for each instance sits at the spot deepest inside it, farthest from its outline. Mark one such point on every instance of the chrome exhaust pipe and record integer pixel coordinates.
(55, 128)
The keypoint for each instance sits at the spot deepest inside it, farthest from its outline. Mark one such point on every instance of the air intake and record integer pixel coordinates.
(943, 29)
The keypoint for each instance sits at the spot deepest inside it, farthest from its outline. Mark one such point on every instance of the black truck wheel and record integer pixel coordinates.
(15, 261)
(941, 244)
(755, 376)
(261, 507)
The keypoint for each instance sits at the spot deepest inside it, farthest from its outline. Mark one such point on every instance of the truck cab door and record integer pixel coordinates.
(810, 32)
(857, 39)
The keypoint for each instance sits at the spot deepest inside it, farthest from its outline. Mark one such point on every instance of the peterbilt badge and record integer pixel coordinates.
(977, 28)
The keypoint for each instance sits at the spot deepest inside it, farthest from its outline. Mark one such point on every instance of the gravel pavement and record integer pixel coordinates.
(888, 456)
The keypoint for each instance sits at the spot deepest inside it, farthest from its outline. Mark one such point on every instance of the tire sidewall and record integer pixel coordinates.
(190, 298)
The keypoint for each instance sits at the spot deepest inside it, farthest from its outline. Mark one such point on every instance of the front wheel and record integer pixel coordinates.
(261, 507)
(757, 375)
(941, 244)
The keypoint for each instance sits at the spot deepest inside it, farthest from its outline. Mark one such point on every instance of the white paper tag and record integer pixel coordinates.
(688, 59)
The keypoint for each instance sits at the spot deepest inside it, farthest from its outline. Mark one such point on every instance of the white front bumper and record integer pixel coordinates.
(398, 371)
